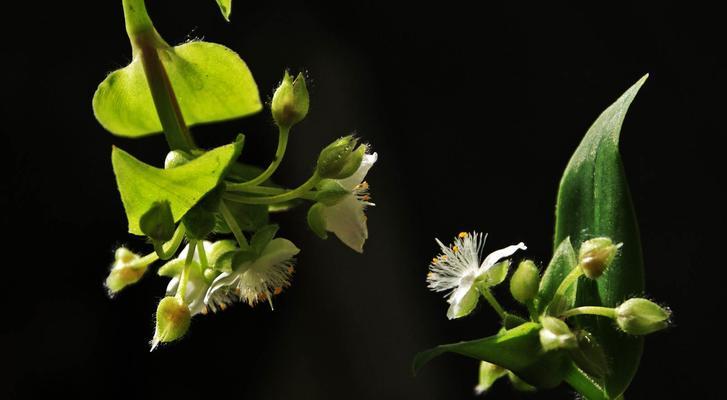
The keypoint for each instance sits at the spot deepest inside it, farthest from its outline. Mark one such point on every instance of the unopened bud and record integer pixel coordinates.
(555, 334)
(595, 255)
(173, 318)
(290, 101)
(336, 160)
(525, 281)
(126, 270)
(640, 316)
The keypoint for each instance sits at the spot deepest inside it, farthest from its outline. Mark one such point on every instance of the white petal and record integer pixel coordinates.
(277, 251)
(347, 220)
(366, 163)
(222, 281)
(496, 255)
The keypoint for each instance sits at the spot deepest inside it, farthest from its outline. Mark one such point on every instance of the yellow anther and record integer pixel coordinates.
(291, 270)
(278, 290)
(430, 274)
(463, 235)
(443, 257)
(204, 311)
(455, 248)
(435, 260)
(223, 306)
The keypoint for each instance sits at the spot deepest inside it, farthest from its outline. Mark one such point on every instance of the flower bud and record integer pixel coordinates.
(290, 101)
(173, 318)
(555, 334)
(158, 222)
(126, 270)
(176, 158)
(489, 373)
(640, 316)
(595, 255)
(336, 160)
(525, 281)
(316, 220)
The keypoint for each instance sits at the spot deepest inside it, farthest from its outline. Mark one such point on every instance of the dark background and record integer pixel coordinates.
(474, 113)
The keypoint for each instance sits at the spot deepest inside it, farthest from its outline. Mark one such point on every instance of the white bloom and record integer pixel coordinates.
(256, 280)
(458, 270)
(346, 218)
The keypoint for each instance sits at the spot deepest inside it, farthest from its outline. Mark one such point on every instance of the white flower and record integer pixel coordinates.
(458, 270)
(256, 280)
(346, 218)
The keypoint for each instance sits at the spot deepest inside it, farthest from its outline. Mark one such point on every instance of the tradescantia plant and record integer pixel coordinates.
(208, 198)
(580, 321)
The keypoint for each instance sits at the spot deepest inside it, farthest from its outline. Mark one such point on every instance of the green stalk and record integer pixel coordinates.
(300, 191)
(590, 310)
(493, 302)
(146, 43)
(182, 288)
(279, 153)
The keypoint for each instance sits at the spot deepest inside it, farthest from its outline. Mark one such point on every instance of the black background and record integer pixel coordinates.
(474, 112)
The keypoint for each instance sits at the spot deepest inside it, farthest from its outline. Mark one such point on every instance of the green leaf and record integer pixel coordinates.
(563, 261)
(157, 222)
(142, 185)
(249, 217)
(226, 8)
(210, 81)
(517, 349)
(594, 200)
(262, 237)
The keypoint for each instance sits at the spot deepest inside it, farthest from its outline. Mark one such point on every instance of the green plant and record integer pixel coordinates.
(211, 194)
(581, 325)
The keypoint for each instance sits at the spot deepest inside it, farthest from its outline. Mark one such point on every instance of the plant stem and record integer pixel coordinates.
(279, 153)
(567, 281)
(202, 255)
(232, 224)
(146, 43)
(300, 191)
(310, 195)
(493, 302)
(182, 288)
(583, 384)
(590, 310)
(168, 249)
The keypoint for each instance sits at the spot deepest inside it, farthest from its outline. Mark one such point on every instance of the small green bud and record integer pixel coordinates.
(331, 192)
(316, 220)
(126, 270)
(595, 255)
(525, 281)
(173, 319)
(353, 162)
(555, 334)
(489, 373)
(640, 316)
(198, 223)
(176, 158)
(333, 162)
(158, 222)
(290, 101)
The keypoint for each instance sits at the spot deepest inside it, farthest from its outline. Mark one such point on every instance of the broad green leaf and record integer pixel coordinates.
(594, 200)
(249, 217)
(141, 185)
(563, 261)
(262, 237)
(517, 350)
(225, 7)
(210, 81)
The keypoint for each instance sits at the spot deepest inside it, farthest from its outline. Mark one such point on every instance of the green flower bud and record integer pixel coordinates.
(316, 220)
(126, 270)
(173, 319)
(176, 158)
(353, 162)
(640, 316)
(290, 101)
(525, 281)
(335, 160)
(595, 255)
(489, 373)
(555, 334)
(158, 222)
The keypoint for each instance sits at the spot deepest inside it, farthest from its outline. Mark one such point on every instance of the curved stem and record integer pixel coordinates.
(300, 191)
(202, 255)
(182, 288)
(168, 249)
(590, 310)
(232, 224)
(310, 195)
(493, 302)
(279, 153)
(568, 280)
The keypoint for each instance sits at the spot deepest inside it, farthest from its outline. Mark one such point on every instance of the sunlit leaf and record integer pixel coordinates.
(142, 185)
(225, 7)
(210, 81)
